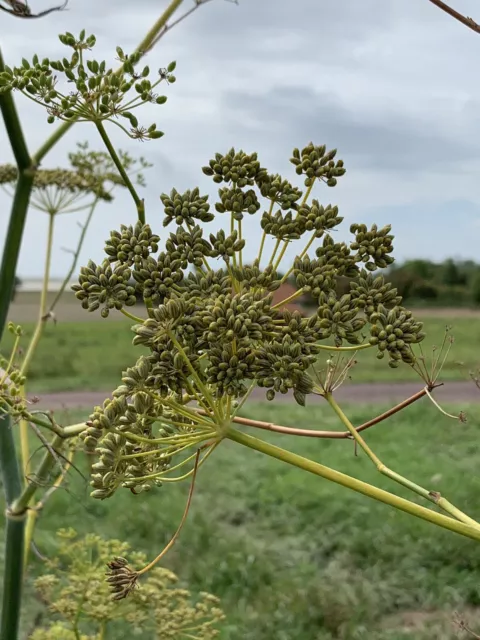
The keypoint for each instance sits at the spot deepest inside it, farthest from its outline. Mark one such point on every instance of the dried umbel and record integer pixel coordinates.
(214, 334)
(93, 91)
(92, 177)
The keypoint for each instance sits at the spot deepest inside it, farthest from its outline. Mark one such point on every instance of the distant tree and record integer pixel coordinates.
(423, 269)
(476, 289)
(424, 291)
(451, 274)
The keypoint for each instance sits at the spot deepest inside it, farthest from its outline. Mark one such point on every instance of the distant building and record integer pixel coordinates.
(285, 291)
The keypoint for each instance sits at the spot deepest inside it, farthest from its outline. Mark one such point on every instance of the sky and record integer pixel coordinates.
(392, 84)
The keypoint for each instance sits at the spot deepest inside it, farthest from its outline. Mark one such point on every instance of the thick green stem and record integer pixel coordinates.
(14, 532)
(11, 477)
(13, 241)
(393, 475)
(355, 485)
(121, 170)
(13, 577)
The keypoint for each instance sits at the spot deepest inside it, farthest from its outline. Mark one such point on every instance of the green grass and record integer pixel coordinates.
(91, 355)
(294, 557)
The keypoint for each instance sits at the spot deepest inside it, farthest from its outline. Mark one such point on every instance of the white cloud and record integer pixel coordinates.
(387, 81)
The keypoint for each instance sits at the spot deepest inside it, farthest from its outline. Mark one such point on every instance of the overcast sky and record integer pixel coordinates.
(393, 84)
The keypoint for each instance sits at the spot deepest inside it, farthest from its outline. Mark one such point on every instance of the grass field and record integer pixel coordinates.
(91, 355)
(294, 557)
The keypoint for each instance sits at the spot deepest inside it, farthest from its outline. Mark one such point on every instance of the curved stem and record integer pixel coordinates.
(355, 485)
(357, 347)
(294, 296)
(140, 204)
(312, 433)
(393, 475)
(131, 316)
(11, 478)
(150, 565)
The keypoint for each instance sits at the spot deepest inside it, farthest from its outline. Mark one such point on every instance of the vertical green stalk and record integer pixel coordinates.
(24, 445)
(14, 535)
(43, 297)
(11, 477)
(354, 484)
(20, 201)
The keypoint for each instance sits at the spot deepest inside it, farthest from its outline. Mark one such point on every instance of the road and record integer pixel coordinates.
(374, 393)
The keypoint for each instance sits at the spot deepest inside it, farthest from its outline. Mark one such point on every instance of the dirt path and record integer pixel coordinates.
(457, 392)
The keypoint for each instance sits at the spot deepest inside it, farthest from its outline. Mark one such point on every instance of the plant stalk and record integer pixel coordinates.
(139, 203)
(355, 485)
(432, 496)
(12, 481)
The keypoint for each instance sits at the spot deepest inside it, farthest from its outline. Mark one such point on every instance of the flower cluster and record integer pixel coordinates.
(92, 176)
(211, 329)
(98, 93)
(80, 600)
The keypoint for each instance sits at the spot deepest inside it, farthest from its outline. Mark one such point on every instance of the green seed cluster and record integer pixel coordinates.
(368, 292)
(185, 208)
(373, 247)
(224, 246)
(237, 202)
(157, 277)
(243, 317)
(12, 400)
(317, 218)
(229, 368)
(210, 330)
(104, 287)
(253, 277)
(188, 246)
(131, 245)
(279, 191)
(338, 318)
(238, 168)
(314, 277)
(303, 331)
(337, 256)
(98, 93)
(281, 367)
(203, 286)
(317, 163)
(393, 332)
(283, 226)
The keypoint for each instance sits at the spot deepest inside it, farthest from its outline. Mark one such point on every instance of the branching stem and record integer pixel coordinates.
(355, 485)
(432, 496)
